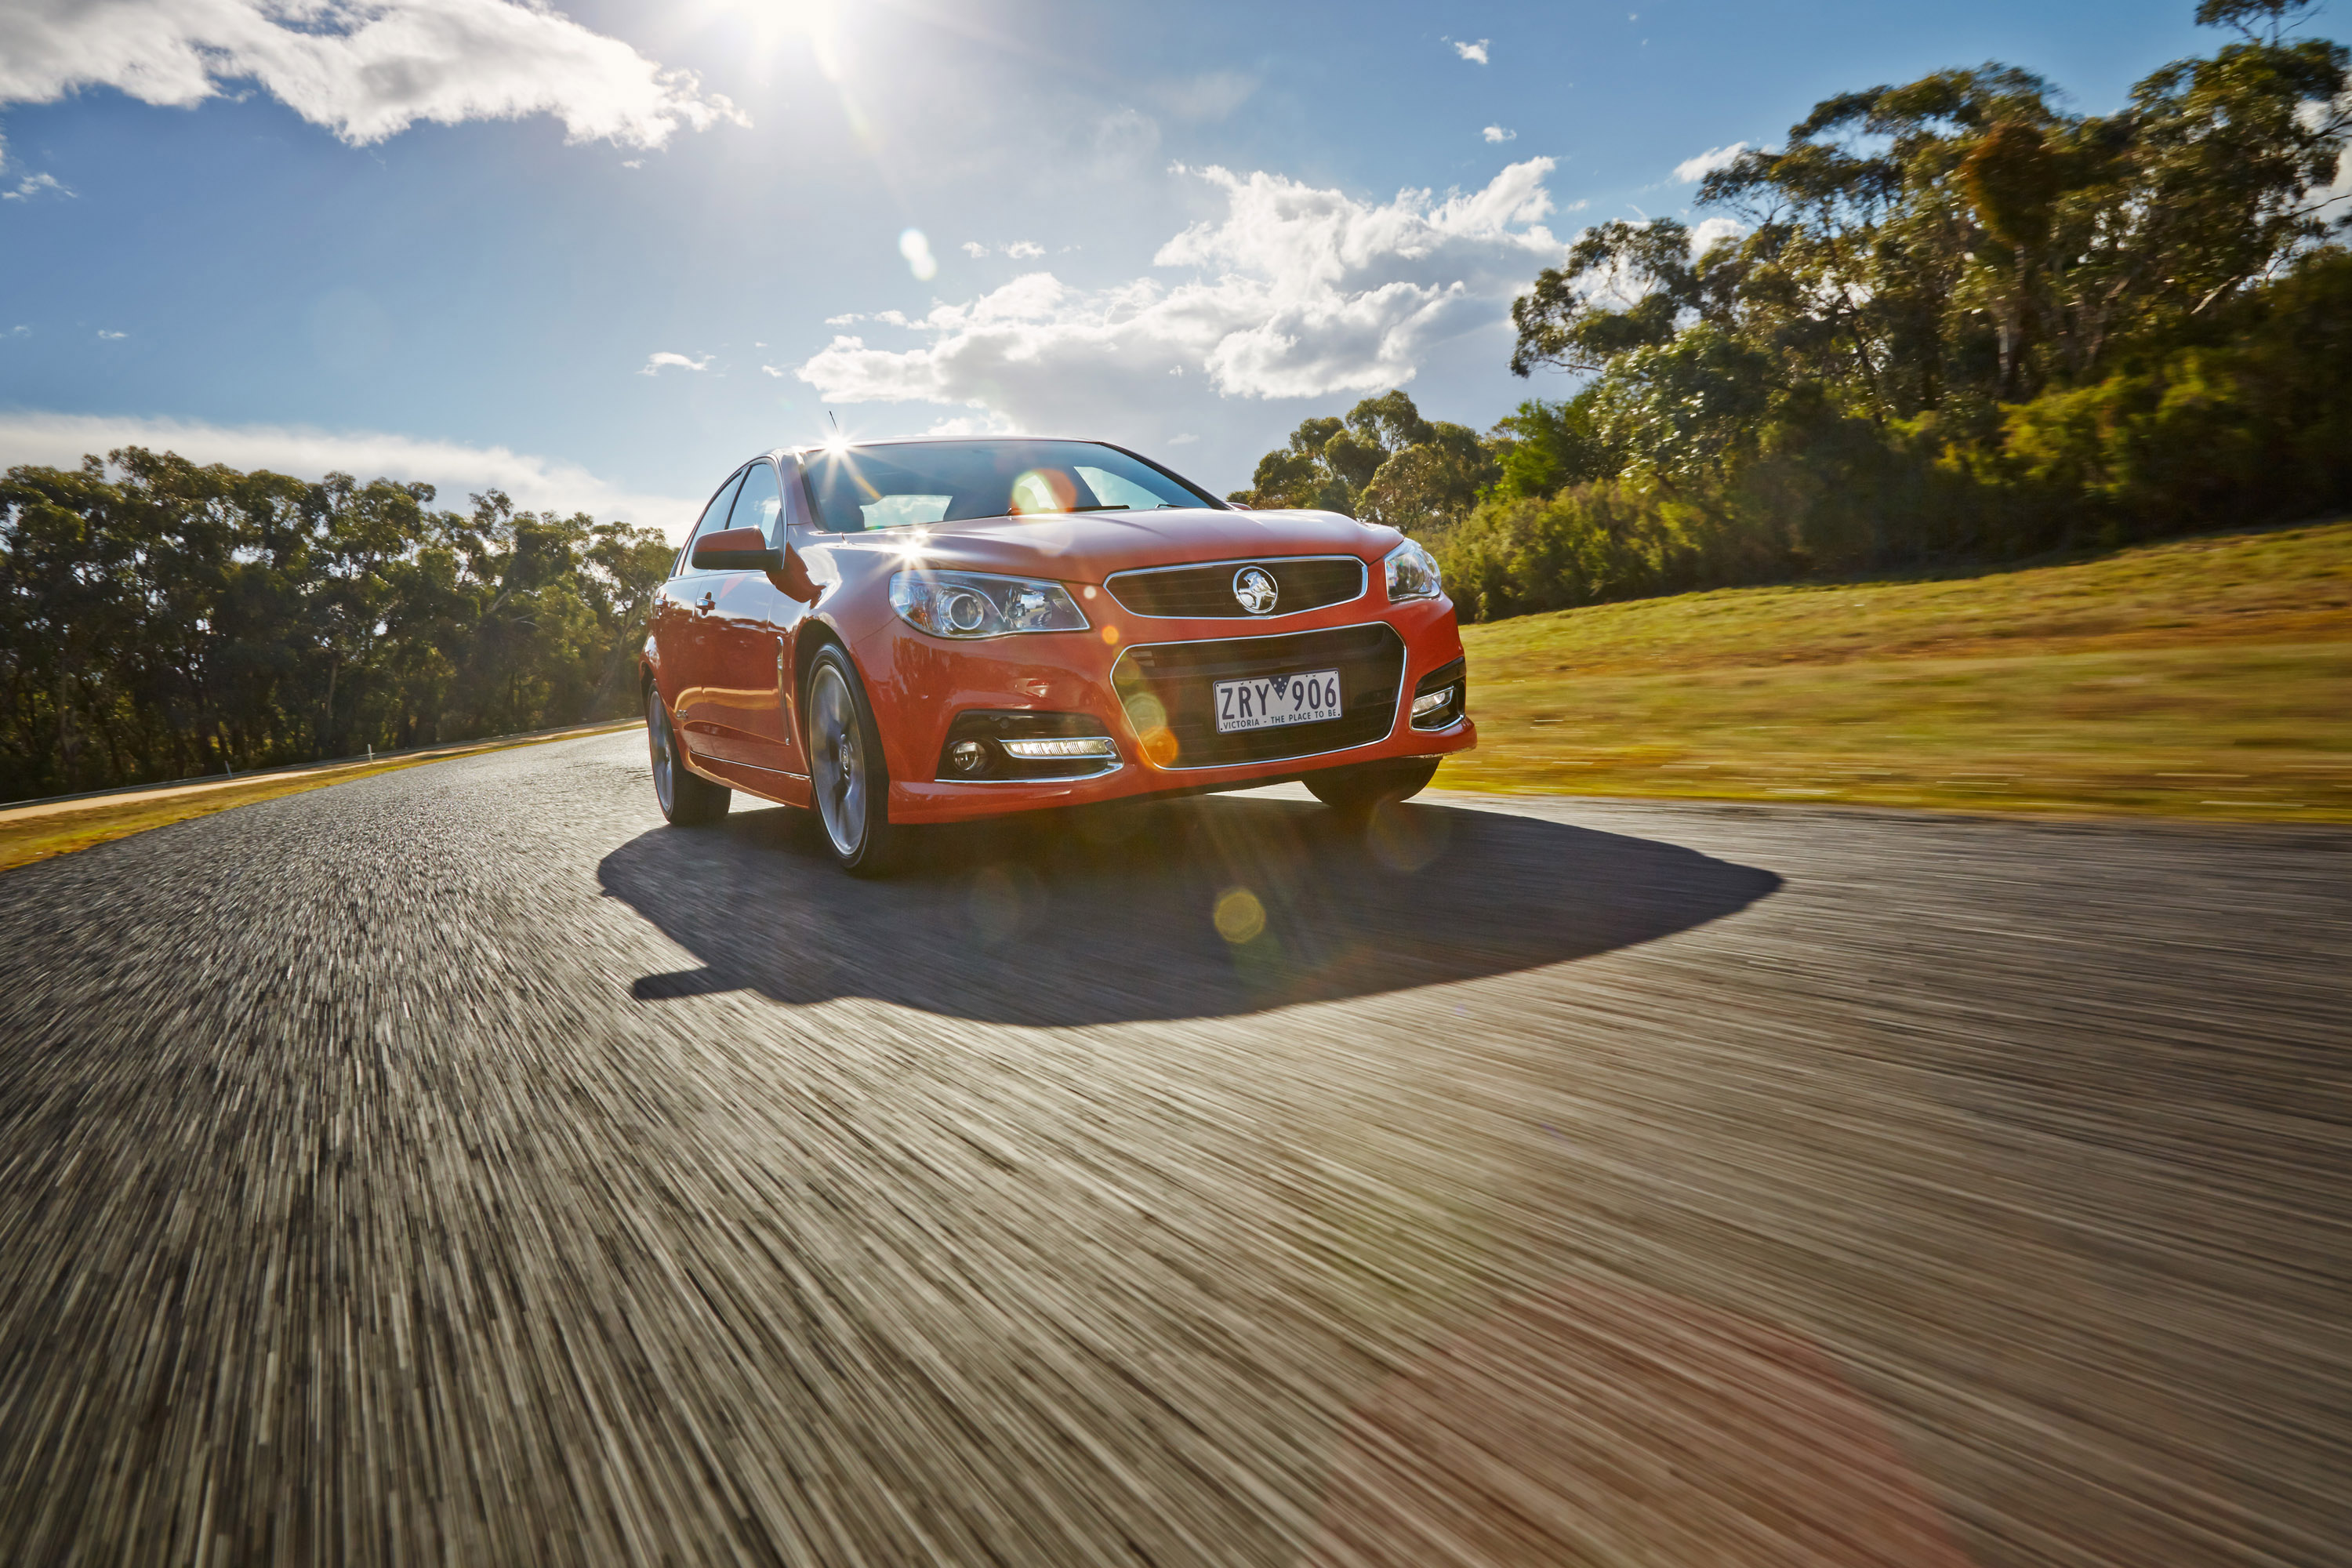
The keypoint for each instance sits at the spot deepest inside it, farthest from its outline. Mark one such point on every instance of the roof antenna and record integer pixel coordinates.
(836, 421)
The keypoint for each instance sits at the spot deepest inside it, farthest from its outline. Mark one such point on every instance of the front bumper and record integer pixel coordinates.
(1145, 680)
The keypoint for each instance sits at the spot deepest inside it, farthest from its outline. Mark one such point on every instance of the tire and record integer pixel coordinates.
(1359, 791)
(848, 780)
(686, 798)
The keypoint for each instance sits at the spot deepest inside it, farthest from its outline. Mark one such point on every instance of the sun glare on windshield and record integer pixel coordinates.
(855, 489)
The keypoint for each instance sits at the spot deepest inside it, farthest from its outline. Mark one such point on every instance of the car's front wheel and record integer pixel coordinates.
(686, 798)
(845, 770)
(1365, 787)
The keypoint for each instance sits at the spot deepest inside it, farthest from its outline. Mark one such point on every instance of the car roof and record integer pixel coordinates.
(807, 447)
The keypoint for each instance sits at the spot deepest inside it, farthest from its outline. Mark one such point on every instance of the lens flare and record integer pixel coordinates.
(1044, 490)
(1146, 713)
(1239, 916)
(917, 249)
(1405, 838)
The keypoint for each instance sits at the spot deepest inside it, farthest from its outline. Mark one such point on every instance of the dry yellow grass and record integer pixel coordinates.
(2205, 677)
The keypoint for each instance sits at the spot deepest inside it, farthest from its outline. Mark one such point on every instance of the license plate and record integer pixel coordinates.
(1277, 700)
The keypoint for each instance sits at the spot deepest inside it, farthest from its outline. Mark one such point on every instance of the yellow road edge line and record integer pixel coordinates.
(25, 838)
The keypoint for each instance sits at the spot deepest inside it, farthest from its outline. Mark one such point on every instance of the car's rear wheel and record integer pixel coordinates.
(1363, 789)
(845, 770)
(686, 798)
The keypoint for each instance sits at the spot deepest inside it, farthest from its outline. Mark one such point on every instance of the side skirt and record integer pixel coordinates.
(768, 783)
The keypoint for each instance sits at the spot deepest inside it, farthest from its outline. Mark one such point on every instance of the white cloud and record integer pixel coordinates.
(972, 249)
(1690, 170)
(772, 370)
(365, 69)
(1023, 249)
(1496, 133)
(1293, 292)
(1708, 230)
(843, 320)
(2312, 115)
(112, 337)
(654, 362)
(968, 424)
(1475, 53)
(455, 471)
(31, 186)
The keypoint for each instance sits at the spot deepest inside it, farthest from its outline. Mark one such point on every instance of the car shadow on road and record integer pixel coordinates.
(1201, 907)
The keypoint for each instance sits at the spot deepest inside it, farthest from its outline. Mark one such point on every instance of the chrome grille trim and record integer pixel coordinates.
(1271, 562)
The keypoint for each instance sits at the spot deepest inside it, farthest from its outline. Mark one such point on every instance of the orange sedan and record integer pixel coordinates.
(905, 632)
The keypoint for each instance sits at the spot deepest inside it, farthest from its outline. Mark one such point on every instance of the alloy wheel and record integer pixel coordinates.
(837, 760)
(665, 761)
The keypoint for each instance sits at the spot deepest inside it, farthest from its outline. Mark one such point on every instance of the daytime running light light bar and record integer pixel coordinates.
(1085, 746)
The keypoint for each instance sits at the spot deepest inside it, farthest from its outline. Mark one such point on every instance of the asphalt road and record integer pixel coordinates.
(459, 1166)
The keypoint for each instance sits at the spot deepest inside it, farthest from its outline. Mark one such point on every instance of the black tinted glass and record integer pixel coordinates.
(861, 488)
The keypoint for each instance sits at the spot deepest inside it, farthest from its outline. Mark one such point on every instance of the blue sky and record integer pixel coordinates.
(596, 254)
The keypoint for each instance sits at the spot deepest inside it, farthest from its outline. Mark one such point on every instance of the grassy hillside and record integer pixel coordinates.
(2208, 676)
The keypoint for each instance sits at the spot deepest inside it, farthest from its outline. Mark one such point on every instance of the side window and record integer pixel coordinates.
(714, 518)
(760, 504)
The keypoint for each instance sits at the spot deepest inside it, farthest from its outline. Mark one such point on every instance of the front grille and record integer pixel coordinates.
(1206, 593)
(1171, 686)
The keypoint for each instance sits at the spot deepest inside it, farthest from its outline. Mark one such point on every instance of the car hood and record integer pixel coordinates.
(1089, 547)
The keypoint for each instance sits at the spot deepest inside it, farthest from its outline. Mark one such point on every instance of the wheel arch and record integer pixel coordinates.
(812, 635)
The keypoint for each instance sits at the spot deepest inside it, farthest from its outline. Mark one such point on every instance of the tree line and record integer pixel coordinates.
(1957, 324)
(159, 620)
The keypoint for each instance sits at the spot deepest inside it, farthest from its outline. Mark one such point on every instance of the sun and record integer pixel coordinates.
(776, 25)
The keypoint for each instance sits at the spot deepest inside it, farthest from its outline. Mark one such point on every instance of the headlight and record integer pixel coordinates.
(1413, 574)
(975, 605)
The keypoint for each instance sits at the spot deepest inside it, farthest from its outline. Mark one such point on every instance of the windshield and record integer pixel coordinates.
(861, 488)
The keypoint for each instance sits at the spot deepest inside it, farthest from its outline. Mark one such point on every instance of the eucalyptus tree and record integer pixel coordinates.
(1961, 233)
(160, 619)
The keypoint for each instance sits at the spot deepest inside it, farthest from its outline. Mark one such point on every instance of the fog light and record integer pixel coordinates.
(968, 756)
(1429, 702)
(1078, 746)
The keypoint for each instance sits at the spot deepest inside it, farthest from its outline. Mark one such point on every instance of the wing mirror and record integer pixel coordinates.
(747, 550)
(736, 549)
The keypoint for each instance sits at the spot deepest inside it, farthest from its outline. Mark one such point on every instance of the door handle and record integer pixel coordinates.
(708, 603)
